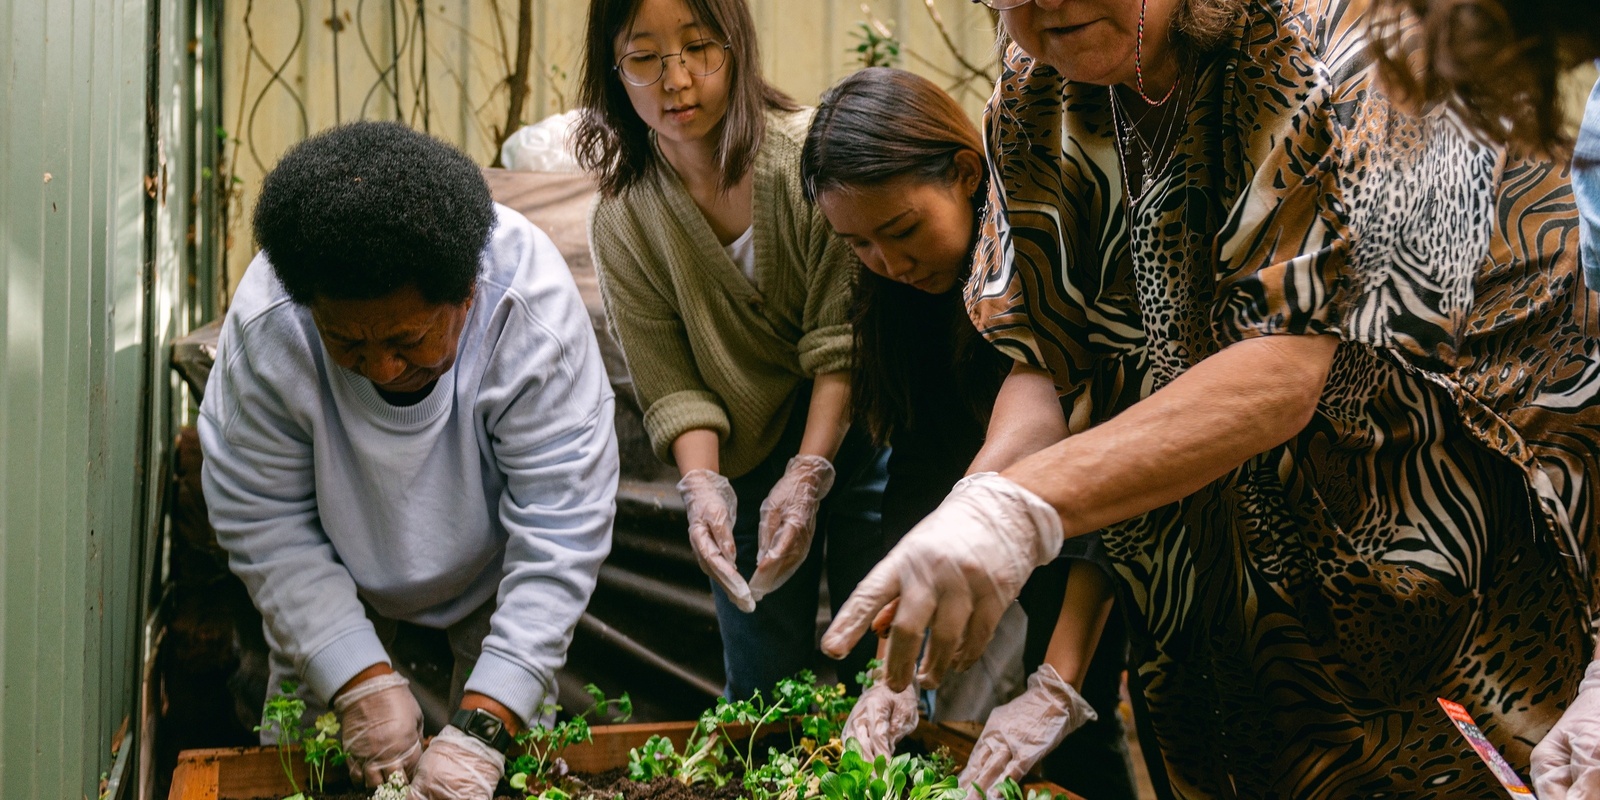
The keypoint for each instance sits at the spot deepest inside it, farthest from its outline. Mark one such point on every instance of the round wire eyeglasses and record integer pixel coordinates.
(700, 57)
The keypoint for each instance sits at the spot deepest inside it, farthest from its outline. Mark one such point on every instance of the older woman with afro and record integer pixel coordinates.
(1325, 368)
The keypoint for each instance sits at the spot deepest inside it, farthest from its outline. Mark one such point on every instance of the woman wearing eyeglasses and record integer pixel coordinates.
(730, 298)
(1333, 402)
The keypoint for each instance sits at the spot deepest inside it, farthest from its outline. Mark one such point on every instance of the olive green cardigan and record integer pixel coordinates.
(705, 347)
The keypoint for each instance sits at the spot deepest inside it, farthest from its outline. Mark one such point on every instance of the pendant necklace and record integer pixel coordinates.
(1154, 156)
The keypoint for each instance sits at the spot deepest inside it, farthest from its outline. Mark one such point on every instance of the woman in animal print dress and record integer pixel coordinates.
(1331, 393)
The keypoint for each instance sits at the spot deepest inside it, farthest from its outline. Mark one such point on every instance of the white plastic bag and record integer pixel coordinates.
(542, 146)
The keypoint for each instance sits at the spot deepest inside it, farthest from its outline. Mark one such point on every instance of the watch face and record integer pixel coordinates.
(487, 724)
(484, 727)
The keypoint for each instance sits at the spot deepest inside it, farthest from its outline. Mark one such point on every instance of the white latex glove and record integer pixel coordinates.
(381, 727)
(954, 574)
(1566, 764)
(712, 508)
(1023, 731)
(457, 767)
(788, 521)
(881, 718)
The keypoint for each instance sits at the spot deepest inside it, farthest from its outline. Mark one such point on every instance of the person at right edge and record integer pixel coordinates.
(1333, 402)
(1499, 65)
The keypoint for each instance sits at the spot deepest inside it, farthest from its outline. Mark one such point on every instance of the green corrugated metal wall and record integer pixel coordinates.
(91, 253)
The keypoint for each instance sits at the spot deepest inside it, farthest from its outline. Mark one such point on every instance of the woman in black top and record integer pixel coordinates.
(898, 170)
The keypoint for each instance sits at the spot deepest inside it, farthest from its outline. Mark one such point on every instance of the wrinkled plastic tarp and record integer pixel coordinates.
(542, 147)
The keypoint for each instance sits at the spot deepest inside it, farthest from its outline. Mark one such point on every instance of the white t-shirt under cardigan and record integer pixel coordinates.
(501, 482)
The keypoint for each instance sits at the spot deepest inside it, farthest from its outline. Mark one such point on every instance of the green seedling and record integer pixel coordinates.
(322, 750)
(904, 777)
(281, 715)
(319, 743)
(656, 758)
(1010, 790)
(535, 772)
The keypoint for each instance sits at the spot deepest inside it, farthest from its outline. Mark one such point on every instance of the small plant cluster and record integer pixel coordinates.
(722, 748)
(817, 764)
(538, 771)
(319, 743)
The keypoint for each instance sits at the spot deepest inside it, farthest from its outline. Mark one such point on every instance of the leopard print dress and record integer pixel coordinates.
(1429, 534)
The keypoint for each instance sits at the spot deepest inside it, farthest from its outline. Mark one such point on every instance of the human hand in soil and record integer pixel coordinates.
(1566, 763)
(1023, 731)
(788, 521)
(712, 507)
(881, 718)
(381, 725)
(457, 767)
(954, 575)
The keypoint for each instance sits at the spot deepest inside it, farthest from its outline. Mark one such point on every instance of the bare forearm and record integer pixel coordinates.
(1236, 404)
(828, 418)
(1027, 418)
(697, 449)
(1082, 618)
(475, 700)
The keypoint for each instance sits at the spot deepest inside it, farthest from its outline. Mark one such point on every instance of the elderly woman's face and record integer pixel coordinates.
(1092, 41)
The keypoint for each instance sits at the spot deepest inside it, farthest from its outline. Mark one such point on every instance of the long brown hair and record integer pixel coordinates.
(1496, 63)
(874, 126)
(613, 143)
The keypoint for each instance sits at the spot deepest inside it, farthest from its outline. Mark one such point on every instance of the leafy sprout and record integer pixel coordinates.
(535, 771)
(319, 743)
(281, 716)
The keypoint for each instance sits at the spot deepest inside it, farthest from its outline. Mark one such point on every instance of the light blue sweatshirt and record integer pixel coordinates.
(1586, 184)
(502, 482)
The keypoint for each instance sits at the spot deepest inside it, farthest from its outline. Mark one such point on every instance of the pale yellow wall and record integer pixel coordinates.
(806, 46)
(1578, 85)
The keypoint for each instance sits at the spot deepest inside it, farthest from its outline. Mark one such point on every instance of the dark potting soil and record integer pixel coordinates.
(611, 783)
(605, 786)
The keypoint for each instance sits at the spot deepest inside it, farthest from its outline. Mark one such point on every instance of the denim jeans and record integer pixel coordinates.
(1586, 184)
(779, 638)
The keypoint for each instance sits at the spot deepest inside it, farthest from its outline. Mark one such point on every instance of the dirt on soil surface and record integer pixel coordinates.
(606, 786)
(609, 784)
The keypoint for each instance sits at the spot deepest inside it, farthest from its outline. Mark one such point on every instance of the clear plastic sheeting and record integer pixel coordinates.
(544, 146)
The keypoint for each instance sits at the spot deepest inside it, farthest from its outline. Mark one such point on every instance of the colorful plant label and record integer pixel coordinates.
(1497, 763)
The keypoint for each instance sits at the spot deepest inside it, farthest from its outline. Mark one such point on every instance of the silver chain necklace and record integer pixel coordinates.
(1154, 157)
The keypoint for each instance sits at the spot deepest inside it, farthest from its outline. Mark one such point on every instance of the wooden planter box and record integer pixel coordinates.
(243, 773)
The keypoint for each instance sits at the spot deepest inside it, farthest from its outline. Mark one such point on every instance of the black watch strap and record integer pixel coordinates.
(484, 727)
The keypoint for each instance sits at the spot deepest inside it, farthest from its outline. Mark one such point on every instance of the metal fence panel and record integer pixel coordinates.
(87, 299)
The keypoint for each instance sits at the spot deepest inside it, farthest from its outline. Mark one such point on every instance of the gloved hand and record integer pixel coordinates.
(457, 767)
(712, 508)
(954, 574)
(1566, 763)
(1023, 731)
(381, 725)
(788, 521)
(881, 718)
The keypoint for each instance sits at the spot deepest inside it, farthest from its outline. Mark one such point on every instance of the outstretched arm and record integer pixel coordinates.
(958, 569)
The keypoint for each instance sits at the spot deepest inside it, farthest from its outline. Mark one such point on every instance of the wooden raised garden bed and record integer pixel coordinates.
(252, 773)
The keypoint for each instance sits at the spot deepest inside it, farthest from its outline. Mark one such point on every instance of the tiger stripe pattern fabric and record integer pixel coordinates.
(1430, 533)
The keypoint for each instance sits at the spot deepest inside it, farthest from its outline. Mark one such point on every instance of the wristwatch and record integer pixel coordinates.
(484, 727)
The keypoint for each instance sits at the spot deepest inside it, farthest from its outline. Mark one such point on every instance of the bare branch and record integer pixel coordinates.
(944, 33)
(518, 80)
